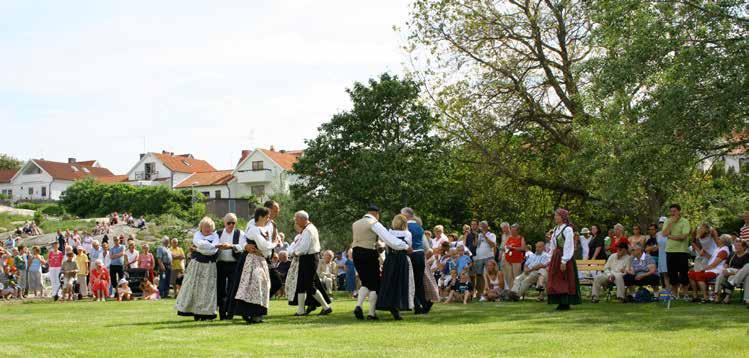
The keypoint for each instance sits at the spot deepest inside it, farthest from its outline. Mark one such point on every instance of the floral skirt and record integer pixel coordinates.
(252, 293)
(198, 295)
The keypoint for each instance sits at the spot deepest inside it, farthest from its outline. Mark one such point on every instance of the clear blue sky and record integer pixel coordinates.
(97, 79)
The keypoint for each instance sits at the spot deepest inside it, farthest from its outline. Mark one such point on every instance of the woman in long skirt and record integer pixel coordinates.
(563, 286)
(251, 291)
(198, 296)
(397, 288)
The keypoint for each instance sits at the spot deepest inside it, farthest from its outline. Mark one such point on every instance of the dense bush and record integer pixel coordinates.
(88, 198)
(53, 210)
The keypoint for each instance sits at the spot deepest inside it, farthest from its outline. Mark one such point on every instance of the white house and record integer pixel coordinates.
(40, 179)
(263, 172)
(165, 168)
(210, 184)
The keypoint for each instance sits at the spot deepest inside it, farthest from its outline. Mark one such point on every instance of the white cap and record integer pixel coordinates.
(122, 282)
(662, 220)
(585, 230)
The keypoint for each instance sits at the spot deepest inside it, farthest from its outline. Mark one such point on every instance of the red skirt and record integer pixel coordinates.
(562, 287)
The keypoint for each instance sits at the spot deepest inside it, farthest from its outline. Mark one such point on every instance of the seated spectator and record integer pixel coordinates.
(494, 282)
(123, 291)
(100, 281)
(534, 274)
(737, 261)
(141, 223)
(326, 271)
(463, 261)
(642, 271)
(463, 289)
(69, 271)
(150, 292)
(447, 282)
(715, 265)
(613, 272)
(8, 284)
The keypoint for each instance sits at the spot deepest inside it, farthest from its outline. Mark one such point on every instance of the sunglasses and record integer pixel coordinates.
(230, 223)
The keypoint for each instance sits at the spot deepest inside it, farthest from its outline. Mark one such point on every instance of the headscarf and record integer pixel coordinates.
(565, 215)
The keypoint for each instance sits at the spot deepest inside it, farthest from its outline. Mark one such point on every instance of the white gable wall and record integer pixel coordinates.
(159, 166)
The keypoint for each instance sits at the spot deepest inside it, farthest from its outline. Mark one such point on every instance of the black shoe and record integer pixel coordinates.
(396, 315)
(196, 318)
(326, 312)
(428, 307)
(375, 318)
(248, 319)
(256, 320)
(563, 307)
(301, 314)
(310, 309)
(358, 313)
(419, 310)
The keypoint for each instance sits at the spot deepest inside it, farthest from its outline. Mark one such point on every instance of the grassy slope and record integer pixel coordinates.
(481, 329)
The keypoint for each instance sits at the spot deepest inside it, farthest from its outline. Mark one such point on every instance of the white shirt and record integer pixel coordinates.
(268, 227)
(205, 245)
(719, 268)
(437, 241)
(392, 241)
(569, 242)
(537, 259)
(88, 242)
(483, 250)
(258, 235)
(584, 244)
(228, 237)
(306, 243)
(381, 231)
(132, 258)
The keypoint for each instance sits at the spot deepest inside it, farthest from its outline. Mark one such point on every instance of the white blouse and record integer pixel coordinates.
(258, 235)
(206, 245)
(395, 243)
(569, 242)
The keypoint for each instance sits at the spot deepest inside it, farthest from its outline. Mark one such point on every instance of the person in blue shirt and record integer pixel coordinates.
(463, 261)
(421, 304)
(462, 289)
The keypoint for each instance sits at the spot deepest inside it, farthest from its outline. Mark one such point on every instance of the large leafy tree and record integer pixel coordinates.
(383, 151)
(9, 162)
(607, 105)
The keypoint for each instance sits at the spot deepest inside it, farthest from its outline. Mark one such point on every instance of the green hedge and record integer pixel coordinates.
(87, 198)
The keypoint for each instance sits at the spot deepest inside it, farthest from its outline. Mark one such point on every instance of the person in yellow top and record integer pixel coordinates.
(677, 229)
(178, 265)
(82, 261)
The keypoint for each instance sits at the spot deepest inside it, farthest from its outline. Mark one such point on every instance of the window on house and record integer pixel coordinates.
(744, 166)
(207, 194)
(44, 191)
(257, 165)
(31, 191)
(217, 194)
(33, 169)
(10, 193)
(258, 190)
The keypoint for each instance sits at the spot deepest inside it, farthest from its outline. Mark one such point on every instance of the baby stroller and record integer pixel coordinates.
(76, 288)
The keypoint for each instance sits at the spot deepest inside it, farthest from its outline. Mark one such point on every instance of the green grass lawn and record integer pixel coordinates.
(481, 329)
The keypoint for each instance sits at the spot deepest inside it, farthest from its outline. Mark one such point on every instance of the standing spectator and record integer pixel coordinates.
(744, 233)
(340, 262)
(178, 265)
(87, 242)
(485, 246)
(618, 237)
(35, 272)
(585, 240)
(54, 259)
(651, 245)
(613, 272)
(350, 273)
(699, 278)
(131, 255)
(95, 254)
(82, 261)
(597, 245)
(146, 261)
(499, 253)
(10, 243)
(514, 254)
(116, 263)
(60, 240)
(20, 260)
(676, 229)
(164, 260)
(662, 241)
(70, 271)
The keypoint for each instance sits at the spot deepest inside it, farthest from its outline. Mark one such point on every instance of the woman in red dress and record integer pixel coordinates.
(514, 253)
(563, 286)
(100, 281)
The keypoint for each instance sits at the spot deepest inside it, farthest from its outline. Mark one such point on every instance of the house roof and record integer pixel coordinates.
(68, 171)
(87, 163)
(112, 179)
(6, 175)
(740, 137)
(184, 163)
(219, 177)
(285, 159)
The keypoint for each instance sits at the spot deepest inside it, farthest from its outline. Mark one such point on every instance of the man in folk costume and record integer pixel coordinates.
(367, 260)
(563, 286)
(232, 243)
(270, 227)
(303, 286)
(421, 304)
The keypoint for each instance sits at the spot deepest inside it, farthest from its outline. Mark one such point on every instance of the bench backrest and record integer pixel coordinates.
(590, 265)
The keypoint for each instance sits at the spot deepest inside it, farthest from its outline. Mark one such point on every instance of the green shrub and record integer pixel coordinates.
(53, 210)
(38, 217)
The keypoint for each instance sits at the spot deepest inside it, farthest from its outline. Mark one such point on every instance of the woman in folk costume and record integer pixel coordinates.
(303, 286)
(198, 295)
(431, 290)
(251, 292)
(397, 287)
(563, 286)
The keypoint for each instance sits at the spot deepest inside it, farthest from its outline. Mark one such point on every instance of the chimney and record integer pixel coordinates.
(245, 153)
(71, 160)
(272, 148)
(142, 155)
(167, 153)
(282, 150)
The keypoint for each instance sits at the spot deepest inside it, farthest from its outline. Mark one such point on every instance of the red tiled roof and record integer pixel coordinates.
(6, 175)
(220, 177)
(285, 159)
(75, 171)
(112, 179)
(184, 164)
(87, 163)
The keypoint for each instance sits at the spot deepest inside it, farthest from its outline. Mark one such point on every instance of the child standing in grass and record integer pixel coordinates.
(69, 271)
(463, 288)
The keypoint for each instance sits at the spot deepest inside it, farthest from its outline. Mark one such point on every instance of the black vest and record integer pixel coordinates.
(235, 241)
